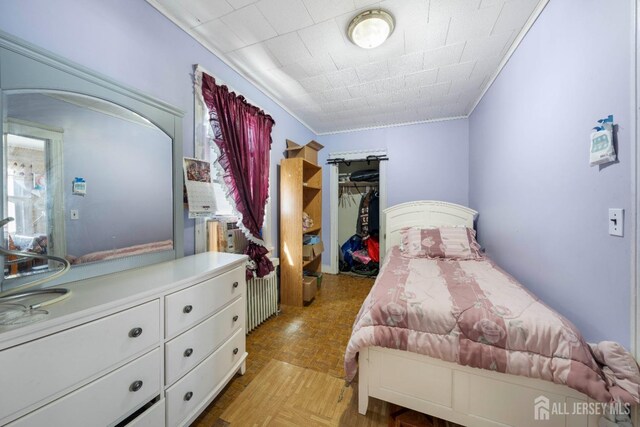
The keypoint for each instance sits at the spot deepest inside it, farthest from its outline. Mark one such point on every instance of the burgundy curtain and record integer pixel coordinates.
(244, 143)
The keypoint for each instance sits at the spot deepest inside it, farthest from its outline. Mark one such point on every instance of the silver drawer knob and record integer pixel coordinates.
(235, 350)
(135, 386)
(135, 332)
(188, 396)
(235, 284)
(235, 318)
(188, 352)
(187, 309)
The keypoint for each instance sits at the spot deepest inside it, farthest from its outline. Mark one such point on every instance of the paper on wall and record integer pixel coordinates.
(199, 187)
(602, 149)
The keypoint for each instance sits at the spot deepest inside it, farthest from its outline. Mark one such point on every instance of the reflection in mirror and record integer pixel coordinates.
(85, 179)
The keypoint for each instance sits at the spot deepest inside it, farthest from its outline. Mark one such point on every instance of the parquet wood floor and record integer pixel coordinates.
(287, 395)
(312, 337)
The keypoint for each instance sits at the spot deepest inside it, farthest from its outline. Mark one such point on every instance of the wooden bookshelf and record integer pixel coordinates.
(313, 230)
(300, 191)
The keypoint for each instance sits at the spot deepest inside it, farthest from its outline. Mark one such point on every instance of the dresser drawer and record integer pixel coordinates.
(152, 417)
(187, 307)
(187, 350)
(105, 401)
(47, 367)
(186, 396)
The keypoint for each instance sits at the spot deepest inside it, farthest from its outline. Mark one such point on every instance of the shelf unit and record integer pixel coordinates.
(300, 191)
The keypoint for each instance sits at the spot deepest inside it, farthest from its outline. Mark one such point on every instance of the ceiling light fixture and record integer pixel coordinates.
(371, 28)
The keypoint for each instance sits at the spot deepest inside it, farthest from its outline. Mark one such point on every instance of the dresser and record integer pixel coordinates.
(151, 346)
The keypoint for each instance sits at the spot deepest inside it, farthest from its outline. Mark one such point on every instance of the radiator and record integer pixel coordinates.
(262, 298)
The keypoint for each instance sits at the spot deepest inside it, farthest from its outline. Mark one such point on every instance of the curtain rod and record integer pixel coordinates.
(368, 159)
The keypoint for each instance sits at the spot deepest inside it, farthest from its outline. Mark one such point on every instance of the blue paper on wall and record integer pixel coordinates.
(602, 149)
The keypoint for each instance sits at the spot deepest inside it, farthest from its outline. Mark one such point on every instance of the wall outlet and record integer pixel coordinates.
(616, 222)
(75, 214)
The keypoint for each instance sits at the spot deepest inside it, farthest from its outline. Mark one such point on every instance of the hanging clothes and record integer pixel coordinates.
(374, 213)
(369, 215)
(362, 227)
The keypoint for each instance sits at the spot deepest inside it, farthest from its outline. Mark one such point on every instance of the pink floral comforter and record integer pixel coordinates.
(475, 314)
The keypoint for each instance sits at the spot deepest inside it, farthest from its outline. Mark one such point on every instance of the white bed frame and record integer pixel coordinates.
(464, 395)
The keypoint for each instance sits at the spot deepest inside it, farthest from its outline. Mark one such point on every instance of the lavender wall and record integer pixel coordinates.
(427, 161)
(129, 41)
(543, 210)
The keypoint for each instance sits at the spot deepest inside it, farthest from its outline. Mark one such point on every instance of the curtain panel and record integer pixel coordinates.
(242, 135)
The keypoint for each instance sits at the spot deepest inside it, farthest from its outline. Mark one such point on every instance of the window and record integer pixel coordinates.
(223, 207)
(204, 149)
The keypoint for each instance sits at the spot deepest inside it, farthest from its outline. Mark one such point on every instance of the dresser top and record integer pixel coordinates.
(103, 295)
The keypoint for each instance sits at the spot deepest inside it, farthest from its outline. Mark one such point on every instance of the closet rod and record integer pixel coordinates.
(368, 159)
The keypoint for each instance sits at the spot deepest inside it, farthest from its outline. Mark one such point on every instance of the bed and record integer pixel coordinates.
(452, 391)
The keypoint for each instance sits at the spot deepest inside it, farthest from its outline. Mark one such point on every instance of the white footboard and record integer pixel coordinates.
(467, 396)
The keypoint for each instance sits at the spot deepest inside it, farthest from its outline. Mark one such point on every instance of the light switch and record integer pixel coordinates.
(616, 222)
(75, 214)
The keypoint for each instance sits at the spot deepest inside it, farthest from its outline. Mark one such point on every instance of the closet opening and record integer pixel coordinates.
(357, 201)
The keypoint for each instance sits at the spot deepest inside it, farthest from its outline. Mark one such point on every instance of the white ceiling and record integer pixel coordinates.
(437, 64)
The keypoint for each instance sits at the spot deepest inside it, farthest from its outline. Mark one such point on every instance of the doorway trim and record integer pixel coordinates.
(332, 268)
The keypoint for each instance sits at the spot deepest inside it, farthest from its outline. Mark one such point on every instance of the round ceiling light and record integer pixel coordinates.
(371, 28)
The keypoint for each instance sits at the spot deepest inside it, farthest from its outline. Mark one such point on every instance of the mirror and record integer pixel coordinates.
(85, 179)
(125, 208)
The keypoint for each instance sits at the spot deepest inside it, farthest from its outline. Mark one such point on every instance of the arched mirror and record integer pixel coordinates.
(86, 180)
(90, 170)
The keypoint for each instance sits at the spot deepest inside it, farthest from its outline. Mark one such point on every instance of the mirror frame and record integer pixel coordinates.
(25, 68)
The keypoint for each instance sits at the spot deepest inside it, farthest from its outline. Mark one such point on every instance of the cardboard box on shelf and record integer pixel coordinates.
(312, 251)
(309, 288)
(309, 152)
(316, 274)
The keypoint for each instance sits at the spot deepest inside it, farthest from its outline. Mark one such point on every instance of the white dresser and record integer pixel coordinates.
(146, 347)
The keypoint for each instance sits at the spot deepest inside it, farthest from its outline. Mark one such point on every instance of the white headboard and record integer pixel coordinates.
(423, 214)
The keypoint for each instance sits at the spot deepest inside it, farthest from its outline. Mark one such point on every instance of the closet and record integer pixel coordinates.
(358, 216)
